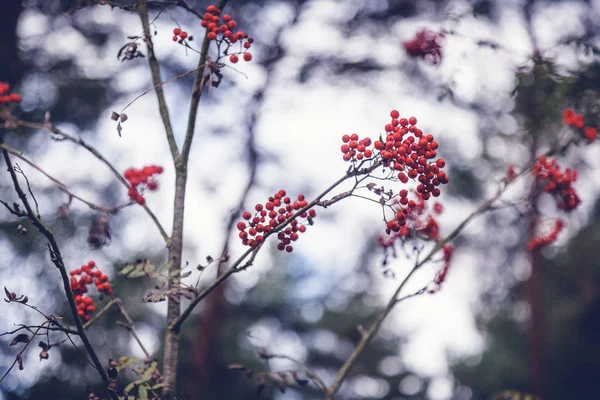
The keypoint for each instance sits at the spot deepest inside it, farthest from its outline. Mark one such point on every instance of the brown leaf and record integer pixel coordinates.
(124, 117)
(119, 129)
(20, 361)
(114, 116)
(370, 185)
(299, 381)
(8, 295)
(21, 338)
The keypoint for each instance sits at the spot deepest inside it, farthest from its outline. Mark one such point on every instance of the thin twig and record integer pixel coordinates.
(61, 185)
(80, 142)
(58, 261)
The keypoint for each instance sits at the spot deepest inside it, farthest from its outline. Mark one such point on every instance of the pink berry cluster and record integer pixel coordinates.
(140, 179)
(440, 277)
(571, 118)
(557, 182)
(426, 45)
(278, 209)
(411, 216)
(90, 274)
(5, 97)
(181, 35)
(223, 30)
(407, 150)
(538, 242)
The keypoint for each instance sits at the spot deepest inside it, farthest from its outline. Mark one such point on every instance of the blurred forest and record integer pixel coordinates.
(540, 323)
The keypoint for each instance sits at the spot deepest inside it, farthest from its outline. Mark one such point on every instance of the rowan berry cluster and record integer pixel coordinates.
(6, 98)
(223, 30)
(90, 274)
(557, 182)
(411, 216)
(545, 240)
(571, 118)
(141, 179)
(181, 35)
(440, 277)
(278, 209)
(407, 150)
(426, 45)
(355, 149)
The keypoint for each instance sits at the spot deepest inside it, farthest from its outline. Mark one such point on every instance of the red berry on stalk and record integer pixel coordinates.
(234, 58)
(247, 56)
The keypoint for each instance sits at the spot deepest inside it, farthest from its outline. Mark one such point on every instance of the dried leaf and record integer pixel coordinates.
(8, 295)
(370, 185)
(209, 259)
(20, 361)
(124, 117)
(44, 355)
(152, 297)
(114, 116)
(21, 338)
(299, 381)
(121, 52)
(119, 129)
(186, 274)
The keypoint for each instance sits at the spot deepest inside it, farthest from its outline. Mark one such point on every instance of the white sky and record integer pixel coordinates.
(302, 125)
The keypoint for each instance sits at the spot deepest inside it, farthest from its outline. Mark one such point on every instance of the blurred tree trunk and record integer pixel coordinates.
(206, 347)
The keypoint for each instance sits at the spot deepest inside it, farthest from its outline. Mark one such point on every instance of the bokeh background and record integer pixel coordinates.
(321, 69)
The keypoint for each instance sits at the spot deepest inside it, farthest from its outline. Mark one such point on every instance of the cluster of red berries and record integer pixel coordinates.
(575, 120)
(356, 149)
(278, 209)
(557, 182)
(141, 178)
(90, 274)
(411, 215)
(180, 35)
(545, 240)
(406, 150)
(426, 45)
(6, 98)
(225, 26)
(440, 277)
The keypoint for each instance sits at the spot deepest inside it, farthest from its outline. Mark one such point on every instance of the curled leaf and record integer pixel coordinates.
(21, 338)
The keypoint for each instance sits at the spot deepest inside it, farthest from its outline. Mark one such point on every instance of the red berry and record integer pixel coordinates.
(231, 24)
(441, 163)
(247, 56)
(234, 58)
(395, 114)
(211, 36)
(412, 121)
(183, 35)
(175, 38)
(176, 31)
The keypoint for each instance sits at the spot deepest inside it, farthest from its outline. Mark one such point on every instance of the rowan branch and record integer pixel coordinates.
(58, 261)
